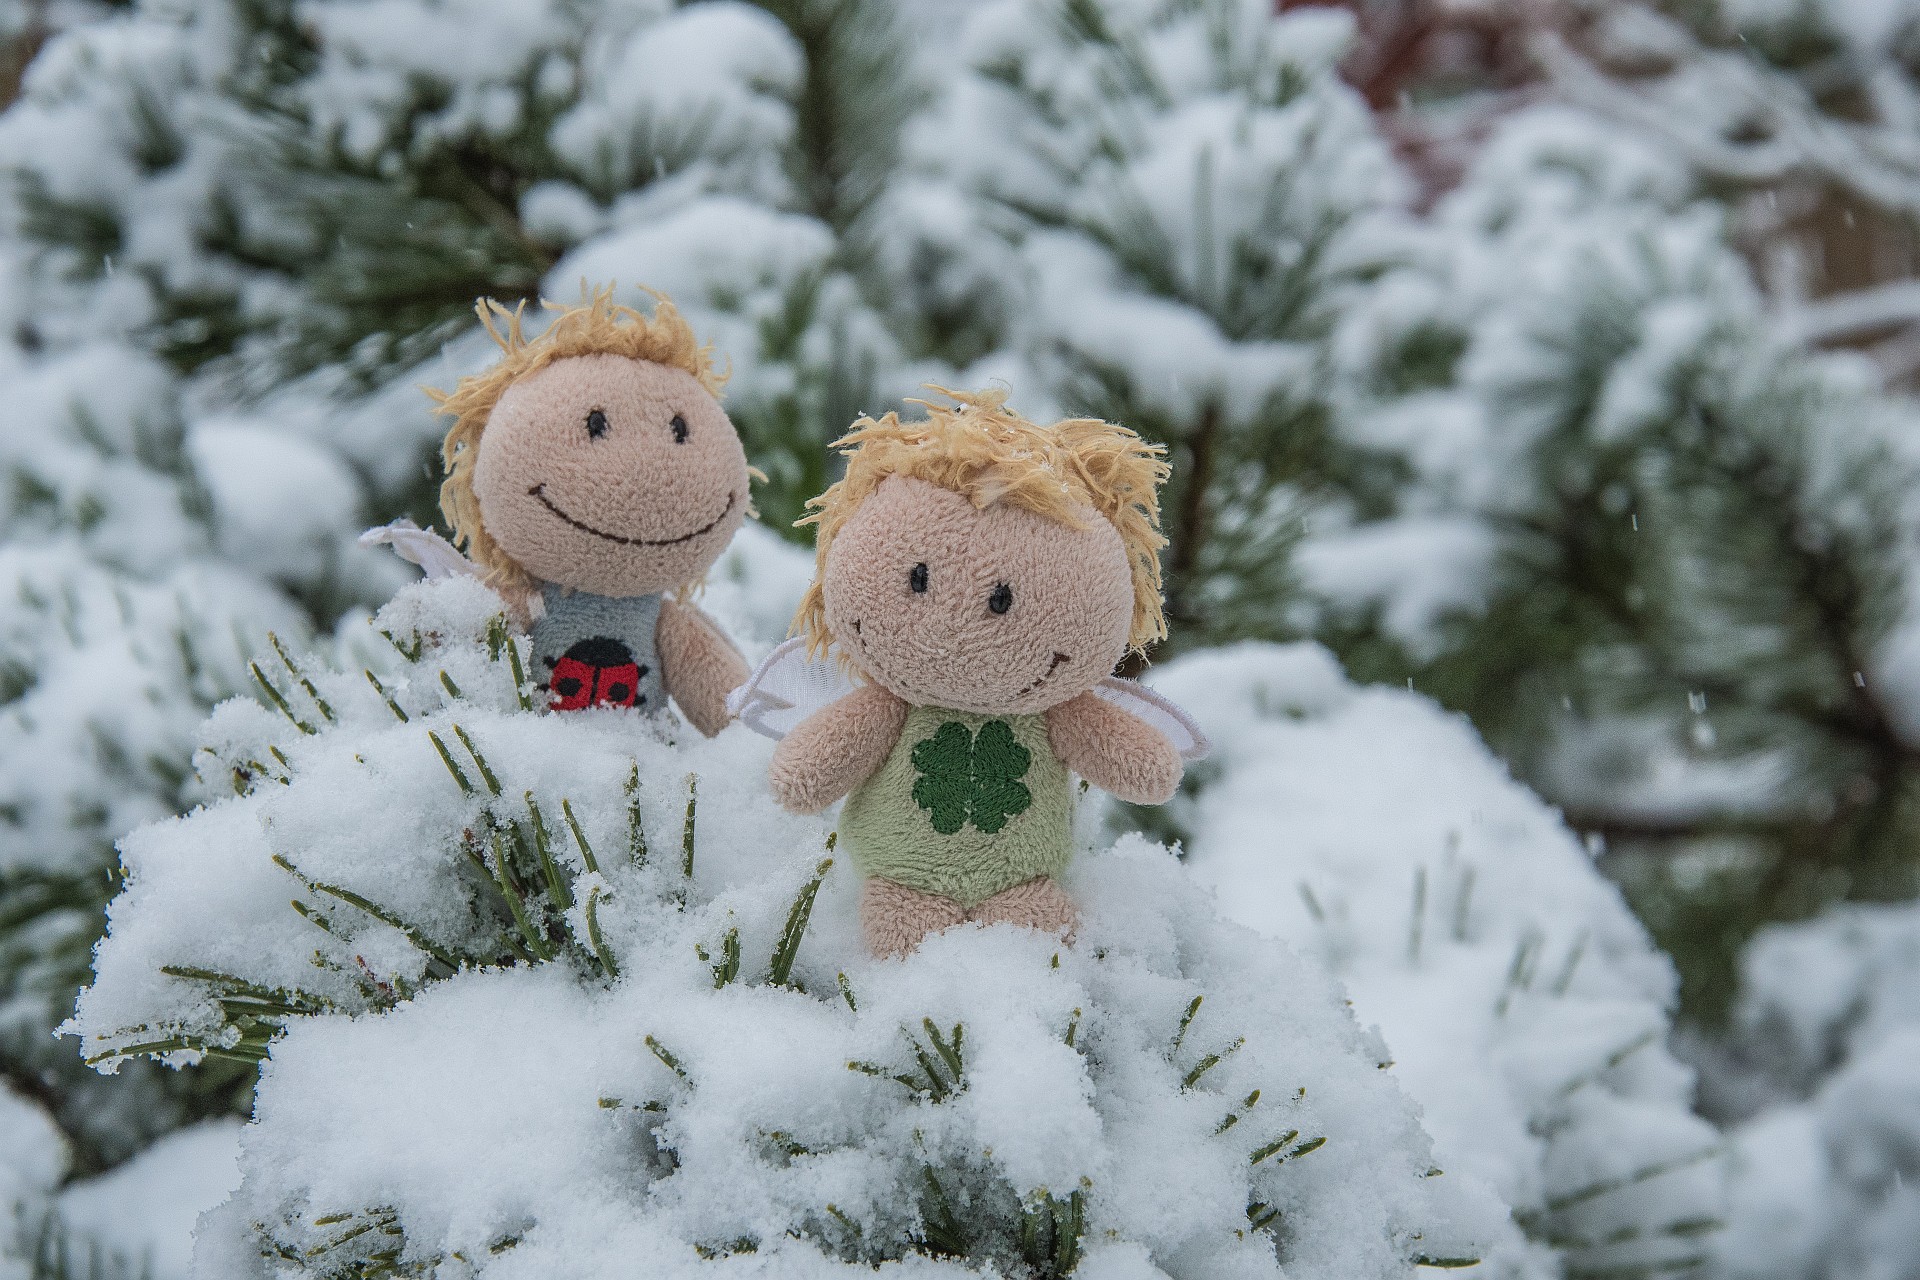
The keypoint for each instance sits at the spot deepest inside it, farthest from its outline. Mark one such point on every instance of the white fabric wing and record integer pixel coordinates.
(1174, 723)
(423, 547)
(788, 687)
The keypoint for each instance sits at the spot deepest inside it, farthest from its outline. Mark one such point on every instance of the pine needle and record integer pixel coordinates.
(446, 758)
(381, 689)
(593, 934)
(449, 965)
(516, 904)
(279, 699)
(543, 847)
(780, 970)
(286, 659)
(486, 774)
(661, 1052)
(636, 828)
(729, 967)
(579, 836)
(1186, 1020)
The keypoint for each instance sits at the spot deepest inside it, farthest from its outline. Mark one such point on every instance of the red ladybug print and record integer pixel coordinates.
(597, 672)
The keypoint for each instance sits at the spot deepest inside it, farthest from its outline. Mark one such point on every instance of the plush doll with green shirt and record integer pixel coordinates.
(979, 575)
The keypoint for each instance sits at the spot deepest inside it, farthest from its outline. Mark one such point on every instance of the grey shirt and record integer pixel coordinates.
(599, 651)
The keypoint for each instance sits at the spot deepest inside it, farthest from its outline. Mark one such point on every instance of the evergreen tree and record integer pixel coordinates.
(1665, 565)
(1186, 193)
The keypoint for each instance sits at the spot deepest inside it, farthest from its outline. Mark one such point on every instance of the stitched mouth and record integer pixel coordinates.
(1059, 660)
(540, 491)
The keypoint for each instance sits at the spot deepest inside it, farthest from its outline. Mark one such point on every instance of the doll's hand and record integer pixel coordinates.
(1117, 752)
(699, 664)
(835, 749)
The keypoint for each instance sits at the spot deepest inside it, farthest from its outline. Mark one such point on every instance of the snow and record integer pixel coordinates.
(145, 1210)
(709, 81)
(1375, 832)
(81, 758)
(408, 1084)
(1825, 1178)
(279, 502)
(1418, 569)
(36, 1155)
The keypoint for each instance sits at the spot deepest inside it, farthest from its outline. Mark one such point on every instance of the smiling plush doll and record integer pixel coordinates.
(981, 575)
(594, 479)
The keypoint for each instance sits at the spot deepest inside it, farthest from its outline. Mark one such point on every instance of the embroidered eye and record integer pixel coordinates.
(917, 578)
(679, 425)
(596, 425)
(1002, 598)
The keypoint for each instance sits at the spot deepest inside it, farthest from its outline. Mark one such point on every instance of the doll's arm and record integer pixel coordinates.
(835, 749)
(698, 663)
(1117, 752)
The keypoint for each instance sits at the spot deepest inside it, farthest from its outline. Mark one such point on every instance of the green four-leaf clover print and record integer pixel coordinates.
(971, 777)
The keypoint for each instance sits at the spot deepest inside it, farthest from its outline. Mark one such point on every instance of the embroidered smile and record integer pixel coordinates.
(1058, 659)
(540, 491)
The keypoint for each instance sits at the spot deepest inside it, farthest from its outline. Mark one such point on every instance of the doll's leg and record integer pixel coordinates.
(894, 918)
(1039, 903)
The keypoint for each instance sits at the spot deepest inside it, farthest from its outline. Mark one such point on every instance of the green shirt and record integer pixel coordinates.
(965, 806)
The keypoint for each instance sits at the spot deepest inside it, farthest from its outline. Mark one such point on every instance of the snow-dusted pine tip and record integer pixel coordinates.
(1826, 1033)
(545, 995)
(1524, 1006)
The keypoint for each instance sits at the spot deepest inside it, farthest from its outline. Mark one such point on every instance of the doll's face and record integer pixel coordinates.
(999, 611)
(611, 475)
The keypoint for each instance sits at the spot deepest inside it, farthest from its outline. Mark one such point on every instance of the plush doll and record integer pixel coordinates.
(594, 478)
(980, 575)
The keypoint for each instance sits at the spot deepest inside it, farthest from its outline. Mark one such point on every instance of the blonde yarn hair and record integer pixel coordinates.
(595, 326)
(987, 453)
